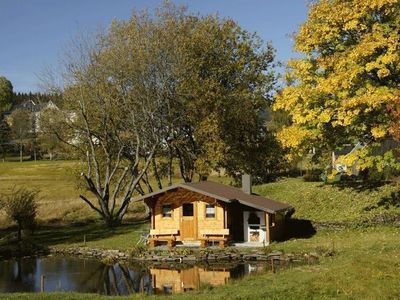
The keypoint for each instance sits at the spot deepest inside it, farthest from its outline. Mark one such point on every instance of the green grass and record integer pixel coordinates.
(57, 185)
(333, 203)
(96, 235)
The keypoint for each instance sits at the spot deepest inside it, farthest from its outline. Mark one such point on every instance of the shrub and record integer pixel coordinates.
(138, 251)
(20, 206)
(312, 176)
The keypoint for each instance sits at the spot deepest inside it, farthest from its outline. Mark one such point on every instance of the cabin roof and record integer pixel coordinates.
(227, 194)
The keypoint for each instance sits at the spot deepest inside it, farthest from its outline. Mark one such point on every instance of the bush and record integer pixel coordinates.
(312, 176)
(20, 206)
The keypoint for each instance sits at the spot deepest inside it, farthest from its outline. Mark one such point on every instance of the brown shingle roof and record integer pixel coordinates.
(228, 193)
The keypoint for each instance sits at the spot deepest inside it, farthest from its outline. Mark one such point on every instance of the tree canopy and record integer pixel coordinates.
(348, 76)
(6, 94)
(172, 87)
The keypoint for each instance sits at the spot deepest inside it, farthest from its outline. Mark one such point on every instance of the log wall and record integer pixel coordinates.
(179, 196)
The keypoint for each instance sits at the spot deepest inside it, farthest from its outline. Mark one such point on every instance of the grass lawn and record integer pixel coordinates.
(55, 180)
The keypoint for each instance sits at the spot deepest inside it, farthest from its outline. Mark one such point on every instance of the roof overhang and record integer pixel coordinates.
(211, 195)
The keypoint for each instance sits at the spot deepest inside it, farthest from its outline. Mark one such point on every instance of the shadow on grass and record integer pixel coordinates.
(299, 229)
(386, 202)
(49, 236)
(360, 186)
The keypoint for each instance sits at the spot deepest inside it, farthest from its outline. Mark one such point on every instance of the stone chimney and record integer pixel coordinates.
(246, 184)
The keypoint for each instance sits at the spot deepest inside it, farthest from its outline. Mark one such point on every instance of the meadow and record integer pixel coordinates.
(359, 261)
(59, 187)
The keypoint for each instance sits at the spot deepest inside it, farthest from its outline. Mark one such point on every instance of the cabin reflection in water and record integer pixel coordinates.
(171, 281)
(70, 274)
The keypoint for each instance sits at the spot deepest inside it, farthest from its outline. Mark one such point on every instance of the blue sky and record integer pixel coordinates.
(34, 32)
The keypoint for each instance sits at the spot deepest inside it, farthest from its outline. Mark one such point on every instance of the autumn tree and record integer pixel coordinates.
(225, 90)
(162, 88)
(115, 103)
(347, 76)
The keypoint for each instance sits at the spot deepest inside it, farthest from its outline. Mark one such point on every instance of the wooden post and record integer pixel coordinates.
(267, 229)
(84, 240)
(225, 217)
(272, 265)
(42, 277)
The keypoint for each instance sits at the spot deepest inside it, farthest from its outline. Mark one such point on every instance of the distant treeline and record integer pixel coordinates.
(19, 98)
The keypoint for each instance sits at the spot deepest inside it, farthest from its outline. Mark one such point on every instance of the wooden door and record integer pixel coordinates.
(188, 222)
(190, 279)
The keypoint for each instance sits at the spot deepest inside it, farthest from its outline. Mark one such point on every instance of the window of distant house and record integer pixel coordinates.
(210, 211)
(187, 209)
(167, 211)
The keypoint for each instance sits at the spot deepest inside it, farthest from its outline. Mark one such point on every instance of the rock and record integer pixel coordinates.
(189, 258)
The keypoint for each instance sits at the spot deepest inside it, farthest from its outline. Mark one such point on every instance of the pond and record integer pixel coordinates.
(55, 274)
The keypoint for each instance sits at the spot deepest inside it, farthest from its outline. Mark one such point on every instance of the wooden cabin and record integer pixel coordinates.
(208, 212)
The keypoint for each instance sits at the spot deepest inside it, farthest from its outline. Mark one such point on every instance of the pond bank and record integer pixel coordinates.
(184, 255)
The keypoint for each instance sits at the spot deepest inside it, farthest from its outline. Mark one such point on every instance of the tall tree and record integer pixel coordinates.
(22, 127)
(226, 87)
(5, 137)
(6, 97)
(348, 74)
(171, 86)
(6, 94)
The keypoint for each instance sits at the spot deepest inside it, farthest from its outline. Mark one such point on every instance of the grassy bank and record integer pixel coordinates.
(334, 203)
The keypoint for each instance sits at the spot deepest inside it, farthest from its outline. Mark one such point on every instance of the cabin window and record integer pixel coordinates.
(187, 209)
(167, 211)
(210, 211)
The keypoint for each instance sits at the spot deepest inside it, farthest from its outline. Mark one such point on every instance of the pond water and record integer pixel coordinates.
(92, 276)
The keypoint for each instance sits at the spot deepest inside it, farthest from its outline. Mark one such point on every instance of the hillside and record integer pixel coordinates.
(334, 203)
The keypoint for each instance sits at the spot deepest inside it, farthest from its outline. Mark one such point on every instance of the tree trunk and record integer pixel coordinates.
(19, 232)
(20, 152)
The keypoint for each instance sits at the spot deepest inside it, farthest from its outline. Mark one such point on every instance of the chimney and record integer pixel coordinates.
(246, 183)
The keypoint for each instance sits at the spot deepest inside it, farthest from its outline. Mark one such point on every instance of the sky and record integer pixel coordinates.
(33, 33)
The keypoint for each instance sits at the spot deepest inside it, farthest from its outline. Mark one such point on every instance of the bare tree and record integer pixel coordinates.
(114, 114)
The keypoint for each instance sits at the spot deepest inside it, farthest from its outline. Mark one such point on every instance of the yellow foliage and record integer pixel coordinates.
(378, 132)
(346, 78)
(293, 136)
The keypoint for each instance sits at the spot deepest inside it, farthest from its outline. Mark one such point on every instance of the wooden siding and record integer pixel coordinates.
(178, 197)
(276, 232)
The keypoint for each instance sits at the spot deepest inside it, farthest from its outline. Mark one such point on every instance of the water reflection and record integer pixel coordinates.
(92, 276)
